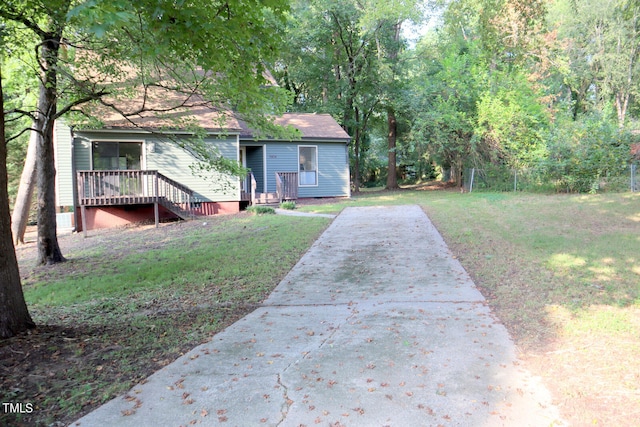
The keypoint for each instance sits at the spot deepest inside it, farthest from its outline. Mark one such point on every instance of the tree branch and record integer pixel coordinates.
(29, 129)
(14, 16)
(80, 101)
(21, 113)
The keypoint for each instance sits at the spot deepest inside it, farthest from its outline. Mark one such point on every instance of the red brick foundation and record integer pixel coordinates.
(112, 216)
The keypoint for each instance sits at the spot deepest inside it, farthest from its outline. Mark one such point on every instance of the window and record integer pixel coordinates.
(308, 159)
(117, 155)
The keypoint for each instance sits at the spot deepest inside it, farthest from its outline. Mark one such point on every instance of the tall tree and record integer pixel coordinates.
(14, 315)
(446, 98)
(88, 50)
(391, 16)
(393, 78)
(478, 92)
(601, 43)
(20, 80)
(333, 64)
(22, 205)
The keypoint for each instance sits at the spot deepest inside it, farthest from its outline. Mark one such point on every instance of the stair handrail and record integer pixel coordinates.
(178, 195)
(287, 185)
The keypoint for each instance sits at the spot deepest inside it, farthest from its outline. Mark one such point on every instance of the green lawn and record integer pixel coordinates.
(127, 302)
(562, 272)
(532, 252)
(239, 260)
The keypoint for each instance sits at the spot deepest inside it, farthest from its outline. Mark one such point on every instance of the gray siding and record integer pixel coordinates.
(170, 160)
(177, 163)
(255, 162)
(333, 167)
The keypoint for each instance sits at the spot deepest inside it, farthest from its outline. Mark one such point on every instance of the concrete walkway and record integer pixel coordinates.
(298, 213)
(377, 325)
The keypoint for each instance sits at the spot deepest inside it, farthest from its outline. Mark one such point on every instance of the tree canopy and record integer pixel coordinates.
(492, 82)
(109, 53)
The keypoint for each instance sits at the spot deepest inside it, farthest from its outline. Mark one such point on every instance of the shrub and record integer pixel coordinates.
(260, 210)
(583, 153)
(288, 205)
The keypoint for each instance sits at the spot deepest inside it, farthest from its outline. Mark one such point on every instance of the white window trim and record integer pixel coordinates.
(317, 166)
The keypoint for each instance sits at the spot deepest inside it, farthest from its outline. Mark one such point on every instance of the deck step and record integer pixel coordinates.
(267, 198)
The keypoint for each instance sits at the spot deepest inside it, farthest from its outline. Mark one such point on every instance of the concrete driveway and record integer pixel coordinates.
(377, 325)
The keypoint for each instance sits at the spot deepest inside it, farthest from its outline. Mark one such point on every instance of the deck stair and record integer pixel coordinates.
(286, 189)
(267, 199)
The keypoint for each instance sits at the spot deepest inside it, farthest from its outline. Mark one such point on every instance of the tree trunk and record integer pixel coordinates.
(356, 161)
(357, 148)
(21, 208)
(14, 315)
(48, 248)
(622, 103)
(392, 123)
(392, 177)
(458, 173)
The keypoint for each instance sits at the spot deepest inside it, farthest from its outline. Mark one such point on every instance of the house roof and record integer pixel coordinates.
(165, 109)
(311, 126)
(160, 107)
(199, 112)
(165, 105)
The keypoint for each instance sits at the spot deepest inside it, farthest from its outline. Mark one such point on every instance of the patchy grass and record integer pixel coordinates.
(131, 301)
(562, 272)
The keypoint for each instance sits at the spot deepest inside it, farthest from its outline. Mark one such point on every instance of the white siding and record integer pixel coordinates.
(63, 164)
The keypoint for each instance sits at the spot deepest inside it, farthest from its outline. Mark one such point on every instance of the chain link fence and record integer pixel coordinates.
(494, 178)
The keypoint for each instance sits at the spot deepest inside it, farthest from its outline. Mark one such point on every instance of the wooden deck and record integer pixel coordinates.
(133, 187)
(286, 189)
(287, 185)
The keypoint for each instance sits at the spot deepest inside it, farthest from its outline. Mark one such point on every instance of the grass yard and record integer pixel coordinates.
(562, 272)
(130, 301)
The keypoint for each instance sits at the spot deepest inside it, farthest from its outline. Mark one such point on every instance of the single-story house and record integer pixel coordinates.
(123, 173)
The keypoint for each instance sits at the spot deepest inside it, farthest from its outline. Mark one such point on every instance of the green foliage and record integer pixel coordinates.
(261, 210)
(489, 91)
(290, 205)
(18, 82)
(446, 100)
(155, 60)
(599, 42)
(583, 152)
(343, 58)
(511, 120)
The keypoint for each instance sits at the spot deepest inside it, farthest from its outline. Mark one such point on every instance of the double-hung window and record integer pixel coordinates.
(308, 160)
